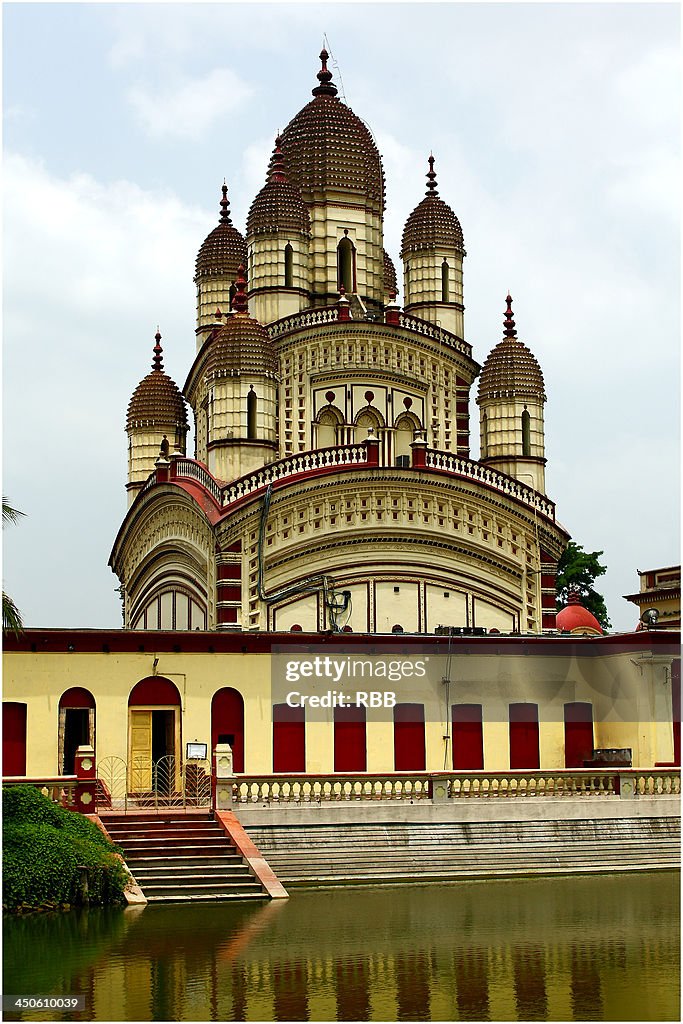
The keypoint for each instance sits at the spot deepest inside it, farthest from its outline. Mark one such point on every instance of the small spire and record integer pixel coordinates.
(158, 360)
(239, 302)
(276, 171)
(431, 179)
(510, 330)
(225, 206)
(574, 594)
(326, 88)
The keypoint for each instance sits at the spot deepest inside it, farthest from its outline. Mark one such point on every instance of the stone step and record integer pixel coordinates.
(149, 835)
(210, 862)
(152, 875)
(170, 889)
(215, 897)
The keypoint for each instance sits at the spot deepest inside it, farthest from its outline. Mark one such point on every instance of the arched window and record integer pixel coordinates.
(404, 431)
(328, 422)
(289, 266)
(251, 413)
(445, 286)
(346, 265)
(484, 436)
(367, 418)
(526, 433)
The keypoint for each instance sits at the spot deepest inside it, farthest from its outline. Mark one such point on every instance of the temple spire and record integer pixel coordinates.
(509, 324)
(276, 171)
(225, 206)
(431, 179)
(158, 360)
(326, 88)
(239, 302)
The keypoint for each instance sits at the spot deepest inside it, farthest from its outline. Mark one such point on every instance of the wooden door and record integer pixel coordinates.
(349, 740)
(578, 733)
(289, 739)
(13, 738)
(468, 737)
(524, 745)
(140, 749)
(409, 738)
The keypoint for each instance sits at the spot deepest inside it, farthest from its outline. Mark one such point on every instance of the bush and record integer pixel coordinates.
(43, 847)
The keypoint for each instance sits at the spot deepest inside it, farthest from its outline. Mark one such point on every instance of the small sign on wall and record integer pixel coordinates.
(196, 751)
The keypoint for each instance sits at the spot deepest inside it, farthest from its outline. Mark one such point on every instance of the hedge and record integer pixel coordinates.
(43, 847)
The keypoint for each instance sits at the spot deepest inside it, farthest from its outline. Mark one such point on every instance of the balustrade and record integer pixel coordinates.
(429, 330)
(299, 321)
(449, 463)
(412, 787)
(60, 789)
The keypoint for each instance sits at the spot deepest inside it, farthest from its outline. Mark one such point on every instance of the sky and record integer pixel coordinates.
(556, 134)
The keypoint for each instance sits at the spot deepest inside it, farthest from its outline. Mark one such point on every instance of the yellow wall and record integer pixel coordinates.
(630, 693)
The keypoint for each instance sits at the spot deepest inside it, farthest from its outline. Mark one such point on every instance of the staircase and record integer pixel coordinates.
(182, 858)
(400, 852)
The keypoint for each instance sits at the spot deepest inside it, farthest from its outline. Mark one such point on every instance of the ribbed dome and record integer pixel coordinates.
(326, 146)
(157, 400)
(432, 222)
(278, 206)
(242, 345)
(577, 619)
(390, 283)
(224, 249)
(511, 368)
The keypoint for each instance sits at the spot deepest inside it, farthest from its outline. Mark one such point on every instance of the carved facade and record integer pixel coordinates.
(332, 485)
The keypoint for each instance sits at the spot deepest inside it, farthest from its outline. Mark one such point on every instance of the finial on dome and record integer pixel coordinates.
(225, 205)
(277, 163)
(510, 330)
(326, 88)
(239, 303)
(158, 360)
(574, 595)
(431, 179)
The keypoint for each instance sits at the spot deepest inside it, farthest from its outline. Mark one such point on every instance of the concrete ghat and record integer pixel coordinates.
(419, 843)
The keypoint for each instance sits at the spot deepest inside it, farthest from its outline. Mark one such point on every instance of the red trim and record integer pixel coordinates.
(77, 697)
(154, 690)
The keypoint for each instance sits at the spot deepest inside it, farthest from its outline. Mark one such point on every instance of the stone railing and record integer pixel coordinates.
(438, 786)
(60, 789)
(449, 463)
(429, 330)
(298, 321)
(295, 465)
(191, 470)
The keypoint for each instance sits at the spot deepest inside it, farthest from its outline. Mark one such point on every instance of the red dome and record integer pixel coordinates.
(577, 619)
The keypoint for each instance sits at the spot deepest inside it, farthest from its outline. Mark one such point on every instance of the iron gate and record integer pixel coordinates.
(145, 784)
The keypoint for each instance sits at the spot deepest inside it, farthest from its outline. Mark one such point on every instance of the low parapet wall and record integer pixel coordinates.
(519, 809)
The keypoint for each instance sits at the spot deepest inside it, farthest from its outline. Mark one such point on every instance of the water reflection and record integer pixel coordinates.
(585, 948)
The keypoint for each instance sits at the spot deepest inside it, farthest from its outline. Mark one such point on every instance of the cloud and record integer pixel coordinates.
(190, 108)
(90, 270)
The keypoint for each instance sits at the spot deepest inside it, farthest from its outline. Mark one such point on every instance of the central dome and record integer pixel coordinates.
(326, 146)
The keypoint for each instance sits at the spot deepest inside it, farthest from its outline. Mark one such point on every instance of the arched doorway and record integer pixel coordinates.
(154, 733)
(13, 738)
(227, 723)
(76, 726)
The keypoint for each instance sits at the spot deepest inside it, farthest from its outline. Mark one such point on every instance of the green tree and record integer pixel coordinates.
(578, 569)
(11, 616)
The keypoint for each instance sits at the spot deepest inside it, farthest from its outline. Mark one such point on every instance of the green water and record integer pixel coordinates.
(583, 948)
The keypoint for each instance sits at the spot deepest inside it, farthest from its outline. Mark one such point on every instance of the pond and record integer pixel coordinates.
(603, 947)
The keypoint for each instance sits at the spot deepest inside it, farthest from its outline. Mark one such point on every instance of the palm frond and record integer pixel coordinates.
(11, 616)
(9, 513)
